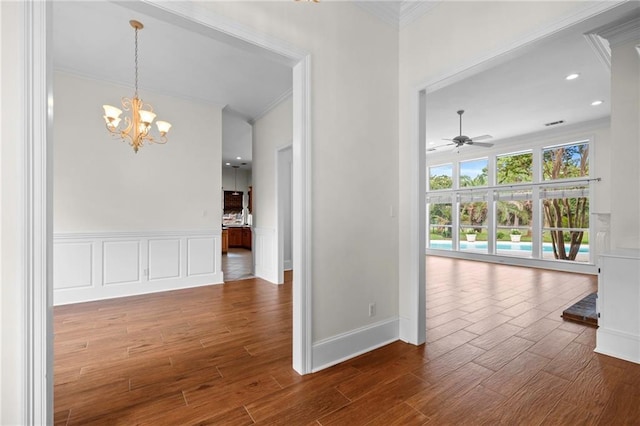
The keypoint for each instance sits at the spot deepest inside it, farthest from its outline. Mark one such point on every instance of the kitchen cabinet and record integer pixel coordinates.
(235, 237)
(240, 236)
(225, 240)
(246, 238)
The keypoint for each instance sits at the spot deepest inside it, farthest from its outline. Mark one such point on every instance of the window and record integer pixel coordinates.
(514, 168)
(441, 177)
(532, 204)
(566, 208)
(473, 173)
(440, 225)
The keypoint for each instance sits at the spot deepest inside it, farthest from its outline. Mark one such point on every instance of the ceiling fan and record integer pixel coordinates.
(461, 140)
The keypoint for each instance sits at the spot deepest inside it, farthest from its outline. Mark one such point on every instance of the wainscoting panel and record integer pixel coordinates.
(265, 254)
(105, 265)
(200, 256)
(121, 260)
(164, 259)
(74, 265)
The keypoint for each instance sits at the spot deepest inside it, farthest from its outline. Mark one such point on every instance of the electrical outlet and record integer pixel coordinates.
(372, 309)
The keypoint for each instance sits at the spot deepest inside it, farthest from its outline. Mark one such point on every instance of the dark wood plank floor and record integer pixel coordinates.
(497, 352)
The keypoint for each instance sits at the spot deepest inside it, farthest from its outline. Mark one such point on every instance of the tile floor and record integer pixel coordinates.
(237, 264)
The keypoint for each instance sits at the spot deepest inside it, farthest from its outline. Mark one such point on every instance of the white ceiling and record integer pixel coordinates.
(95, 40)
(518, 97)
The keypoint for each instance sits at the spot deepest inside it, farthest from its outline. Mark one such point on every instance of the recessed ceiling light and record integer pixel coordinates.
(432, 143)
(238, 158)
(227, 164)
(596, 103)
(572, 76)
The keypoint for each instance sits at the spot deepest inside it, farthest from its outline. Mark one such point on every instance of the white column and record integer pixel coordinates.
(624, 37)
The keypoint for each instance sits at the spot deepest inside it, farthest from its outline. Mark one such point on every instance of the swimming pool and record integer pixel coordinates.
(501, 245)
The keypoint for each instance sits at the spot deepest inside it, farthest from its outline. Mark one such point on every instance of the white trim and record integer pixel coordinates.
(302, 218)
(618, 344)
(134, 234)
(342, 347)
(412, 10)
(36, 223)
(600, 48)
(621, 32)
(283, 97)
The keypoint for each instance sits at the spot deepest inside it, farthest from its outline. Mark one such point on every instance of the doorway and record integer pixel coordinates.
(35, 227)
(284, 195)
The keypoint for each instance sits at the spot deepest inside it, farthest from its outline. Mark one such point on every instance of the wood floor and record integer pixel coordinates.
(497, 352)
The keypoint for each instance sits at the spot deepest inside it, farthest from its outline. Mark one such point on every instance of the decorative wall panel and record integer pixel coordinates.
(106, 265)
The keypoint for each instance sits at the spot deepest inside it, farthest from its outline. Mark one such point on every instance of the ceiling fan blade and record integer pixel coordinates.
(480, 138)
(482, 144)
(450, 140)
(433, 148)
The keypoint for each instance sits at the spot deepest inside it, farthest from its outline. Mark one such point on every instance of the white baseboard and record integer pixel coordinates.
(618, 344)
(107, 265)
(345, 346)
(288, 265)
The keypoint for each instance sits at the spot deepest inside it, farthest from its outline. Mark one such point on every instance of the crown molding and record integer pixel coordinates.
(600, 48)
(272, 105)
(412, 10)
(621, 31)
(398, 13)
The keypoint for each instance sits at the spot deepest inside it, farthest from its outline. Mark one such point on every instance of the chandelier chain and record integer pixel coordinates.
(136, 61)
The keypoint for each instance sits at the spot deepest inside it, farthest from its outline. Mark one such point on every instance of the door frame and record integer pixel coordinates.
(36, 157)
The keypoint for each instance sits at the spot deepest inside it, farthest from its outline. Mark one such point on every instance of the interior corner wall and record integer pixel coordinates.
(354, 151)
(100, 184)
(272, 131)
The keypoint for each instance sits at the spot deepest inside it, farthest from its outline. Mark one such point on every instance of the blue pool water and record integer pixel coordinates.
(501, 245)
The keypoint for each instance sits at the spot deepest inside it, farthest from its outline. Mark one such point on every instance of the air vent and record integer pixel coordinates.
(554, 123)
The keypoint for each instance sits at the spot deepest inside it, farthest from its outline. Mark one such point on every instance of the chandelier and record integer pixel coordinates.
(137, 127)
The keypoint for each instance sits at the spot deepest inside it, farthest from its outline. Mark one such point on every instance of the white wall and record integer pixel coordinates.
(272, 131)
(625, 155)
(354, 93)
(12, 318)
(100, 184)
